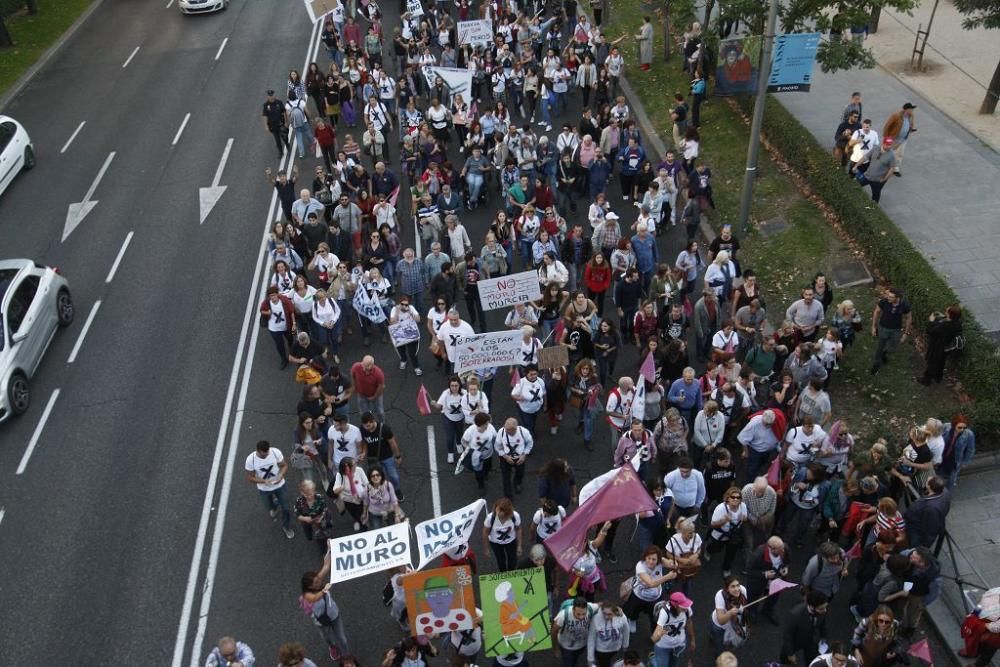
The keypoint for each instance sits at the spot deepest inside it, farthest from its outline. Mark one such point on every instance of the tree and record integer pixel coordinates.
(5, 39)
(983, 14)
(834, 17)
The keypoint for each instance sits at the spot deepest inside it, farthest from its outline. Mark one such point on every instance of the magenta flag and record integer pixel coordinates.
(393, 196)
(648, 368)
(593, 397)
(922, 650)
(854, 552)
(774, 472)
(423, 401)
(622, 495)
(778, 585)
(515, 377)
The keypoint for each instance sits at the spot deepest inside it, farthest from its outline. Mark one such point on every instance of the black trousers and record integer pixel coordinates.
(508, 470)
(280, 139)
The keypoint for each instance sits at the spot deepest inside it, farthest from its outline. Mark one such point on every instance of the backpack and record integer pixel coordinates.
(957, 344)
(298, 116)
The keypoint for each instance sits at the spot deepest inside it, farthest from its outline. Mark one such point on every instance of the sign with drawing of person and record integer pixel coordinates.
(515, 612)
(440, 600)
(403, 332)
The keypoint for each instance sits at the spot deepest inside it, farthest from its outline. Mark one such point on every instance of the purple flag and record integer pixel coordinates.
(778, 585)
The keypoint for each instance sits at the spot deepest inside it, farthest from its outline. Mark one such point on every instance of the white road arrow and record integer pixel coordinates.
(78, 211)
(209, 197)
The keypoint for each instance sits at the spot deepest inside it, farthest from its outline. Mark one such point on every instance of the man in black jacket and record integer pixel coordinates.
(804, 629)
(941, 333)
(925, 517)
(768, 562)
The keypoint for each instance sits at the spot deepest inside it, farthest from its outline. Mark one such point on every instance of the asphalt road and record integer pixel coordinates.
(112, 552)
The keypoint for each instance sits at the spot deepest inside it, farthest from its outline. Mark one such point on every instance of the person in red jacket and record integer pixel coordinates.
(278, 315)
(597, 279)
(327, 140)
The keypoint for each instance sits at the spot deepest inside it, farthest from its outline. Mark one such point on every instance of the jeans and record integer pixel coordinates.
(373, 405)
(277, 499)
(755, 461)
(304, 138)
(452, 433)
(524, 246)
(475, 183)
(667, 657)
(327, 337)
(527, 420)
(571, 658)
(887, 340)
(392, 474)
(281, 340)
(717, 636)
(334, 634)
(587, 421)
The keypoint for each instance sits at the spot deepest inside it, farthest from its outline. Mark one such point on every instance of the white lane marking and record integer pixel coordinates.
(209, 197)
(180, 130)
(118, 259)
(38, 432)
(73, 136)
(433, 465)
(79, 210)
(132, 55)
(169, 4)
(3, 511)
(221, 47)
(222, 162)
(206, 509)
(83, 332)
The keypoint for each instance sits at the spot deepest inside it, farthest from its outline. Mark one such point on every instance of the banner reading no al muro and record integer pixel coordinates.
(372, 551)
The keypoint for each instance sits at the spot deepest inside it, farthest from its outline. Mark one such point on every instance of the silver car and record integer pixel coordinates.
(34, 302)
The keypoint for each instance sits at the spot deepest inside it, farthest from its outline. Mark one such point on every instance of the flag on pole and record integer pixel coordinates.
(515, 377)
(854, 552)
(922, 650)
(423, 401)
(392, 196)
(639, 402)
(777, 585)
(622, 494)
(774, 472)
(648, 368)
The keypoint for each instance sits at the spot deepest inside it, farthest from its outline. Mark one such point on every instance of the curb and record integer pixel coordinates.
(980, 463)
(645, 124)
(20, 84)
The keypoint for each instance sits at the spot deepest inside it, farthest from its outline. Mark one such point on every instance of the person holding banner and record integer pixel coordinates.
(451, 333)
(325, 612)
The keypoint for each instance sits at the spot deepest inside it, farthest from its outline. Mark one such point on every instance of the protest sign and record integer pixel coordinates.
(403, 332)
(457, 81)
(440, 534)
(414, 8)
(498, 348)
(475, 32)
(368, 306)
(553, 357)
(440, 600)
(356, 555)
(515, 612)
(317, 9)
(506, 291)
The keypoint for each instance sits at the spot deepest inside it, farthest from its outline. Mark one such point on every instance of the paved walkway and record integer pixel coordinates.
(974, 524)
(947, 202)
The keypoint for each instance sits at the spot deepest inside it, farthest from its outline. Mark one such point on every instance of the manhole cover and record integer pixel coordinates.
(850, 273)
(772, 227)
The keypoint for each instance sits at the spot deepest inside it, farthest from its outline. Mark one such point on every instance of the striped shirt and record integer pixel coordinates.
(759, 506)
(883, 523)
(411, 276)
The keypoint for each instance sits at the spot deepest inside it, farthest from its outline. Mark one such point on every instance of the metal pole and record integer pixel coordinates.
(763, 74)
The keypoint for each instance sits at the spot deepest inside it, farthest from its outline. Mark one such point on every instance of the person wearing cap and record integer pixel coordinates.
(898, 127)
(276, 122)
(880, 168)
(674, 632)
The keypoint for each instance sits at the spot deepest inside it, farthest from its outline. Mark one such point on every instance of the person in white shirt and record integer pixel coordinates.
(266, 468)
(478, 443)
(608, 636)
(619, 408)
(803, 442)
(727, 617)
(651, 572)
(350, 486)
(475, 401)
(344, 440)
(861, 145)
(529, 348)
(547, 520)
(726, 533)
(674, 631)
(404, 312)
(514, 443)
(326, 317)
(529, 392)
(452, 417)
(521, 315)
(502, 534)
(451, 333)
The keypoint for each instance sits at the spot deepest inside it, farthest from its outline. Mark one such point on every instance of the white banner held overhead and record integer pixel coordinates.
(356, 555)
(506, 291)
(458, 81)
(440, 534)
(475, 32)
(368, 306)
(414, 8)
(498, 348)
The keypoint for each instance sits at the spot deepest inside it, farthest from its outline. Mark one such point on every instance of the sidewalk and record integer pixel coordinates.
(946, 202)
(974, 524)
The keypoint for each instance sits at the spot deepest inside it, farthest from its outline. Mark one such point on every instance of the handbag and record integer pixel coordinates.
(625, 588)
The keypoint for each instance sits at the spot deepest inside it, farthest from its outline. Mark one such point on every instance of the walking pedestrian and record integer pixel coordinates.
(266, 468)
(276, 122)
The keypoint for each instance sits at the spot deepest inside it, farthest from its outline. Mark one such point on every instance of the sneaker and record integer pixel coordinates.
(418, 372)
(289, 533)
(336, 359)
(541, 123)
(548, 128)
(274, 512)
(451, 457)
(402, 365)
(624, 197)
(357, 526)
(553, 430)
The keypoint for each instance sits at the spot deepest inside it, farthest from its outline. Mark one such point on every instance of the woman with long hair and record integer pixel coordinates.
(557, 482)
(606, 343)
(876, 639)
(350, 486)
(381, 501)
(727, 629)
(502, 534)
(597, 278)
(584, 391)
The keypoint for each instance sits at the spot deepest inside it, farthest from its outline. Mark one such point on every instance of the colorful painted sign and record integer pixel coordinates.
(515, 612)
(440, 600)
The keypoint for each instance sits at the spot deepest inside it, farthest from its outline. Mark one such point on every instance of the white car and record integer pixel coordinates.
(201, 6)
(34, 303)
(16, 151)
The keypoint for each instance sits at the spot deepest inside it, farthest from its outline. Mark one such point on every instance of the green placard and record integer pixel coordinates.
(515, 612)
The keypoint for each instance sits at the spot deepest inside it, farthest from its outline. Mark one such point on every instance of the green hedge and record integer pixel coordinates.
(892, 254)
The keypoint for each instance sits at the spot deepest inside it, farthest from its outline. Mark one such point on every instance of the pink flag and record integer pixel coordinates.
(854, 552)
(515, 377)
(778, 585)
(774, 472)
(393, 196)
(423, 401)
(593, 396)
(622, 495)
(648, 368)
(922, 650)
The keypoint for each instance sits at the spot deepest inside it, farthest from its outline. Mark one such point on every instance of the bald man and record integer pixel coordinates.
(761, 501)
(369, 386)
(230, 653)
(768, 562)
